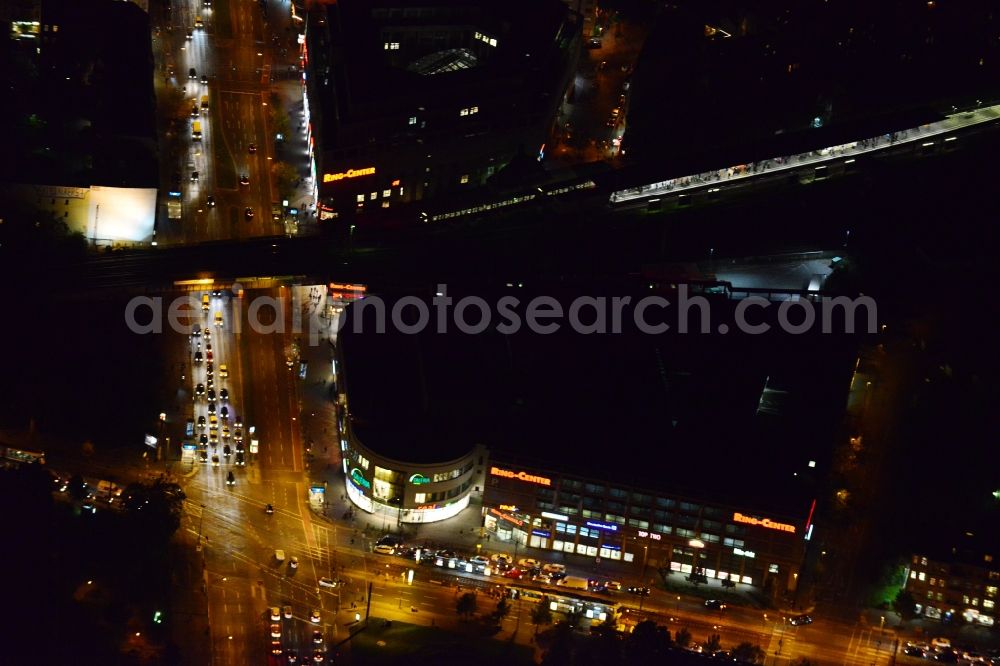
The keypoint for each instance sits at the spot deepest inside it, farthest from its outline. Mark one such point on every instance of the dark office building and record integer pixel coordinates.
(410, 101)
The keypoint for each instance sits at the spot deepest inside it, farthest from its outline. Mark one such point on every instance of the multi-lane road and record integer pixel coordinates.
(232, 50)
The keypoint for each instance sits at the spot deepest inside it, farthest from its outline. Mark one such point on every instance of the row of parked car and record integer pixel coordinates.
(941, 649)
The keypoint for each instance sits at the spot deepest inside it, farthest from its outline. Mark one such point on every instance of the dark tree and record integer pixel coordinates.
(748, 653)
(713, 644)
(541, 615)
(683, 637)
(905, 605)
(466, 605)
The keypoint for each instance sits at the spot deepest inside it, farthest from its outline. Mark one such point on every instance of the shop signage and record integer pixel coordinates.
(350, 173)
(650, 535)
(554, 516)
(419, 479)
(763, 522)
(427, 507)
(508, 507)
(608, 546)
(744, 553)
(359, 478)
(520, 476)
(602, 526)
(507, 517)
(541, 533)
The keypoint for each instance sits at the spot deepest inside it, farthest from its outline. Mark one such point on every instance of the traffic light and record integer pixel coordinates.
(158, 617)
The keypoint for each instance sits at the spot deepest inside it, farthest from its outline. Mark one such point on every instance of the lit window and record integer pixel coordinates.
(991, 590)
(401, 191)
(474, 109)
(913, 574)
(420, 498)
(413, 120)
(465, 178)
(374, 195)
(988, 603)
(385, 204)
(939, 597)
(965, 599)
(479, 35)
(930, 595)
(463, 112)
(975, 601)
(386, 193)
(385, 45)
(361, 198)
(933, 581)
(920, 576)
(394, 46)
(923, 561)
(493, 42)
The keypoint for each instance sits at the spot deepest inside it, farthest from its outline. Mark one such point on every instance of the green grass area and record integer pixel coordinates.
(222, 21)
(404, 643)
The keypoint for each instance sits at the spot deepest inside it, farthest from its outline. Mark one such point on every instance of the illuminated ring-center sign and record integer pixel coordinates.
(350, 173)
(358, 478)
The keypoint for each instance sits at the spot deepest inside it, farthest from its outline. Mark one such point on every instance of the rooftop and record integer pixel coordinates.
(674, 413)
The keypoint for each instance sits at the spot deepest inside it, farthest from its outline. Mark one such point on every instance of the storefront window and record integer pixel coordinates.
(629, 557)
(557, 545)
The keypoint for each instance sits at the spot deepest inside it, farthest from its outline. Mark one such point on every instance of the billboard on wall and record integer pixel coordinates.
(121, 214)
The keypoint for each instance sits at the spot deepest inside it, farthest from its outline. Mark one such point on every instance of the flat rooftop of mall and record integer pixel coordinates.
(745, 420)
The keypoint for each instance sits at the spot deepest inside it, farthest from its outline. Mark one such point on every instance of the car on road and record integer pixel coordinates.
(213, 439)
(213, 422)
(514, 573)
(385, 549)
(211, 408)
(914, 651)
(315, 617)
(479, 559)
(210, 201)
(194, 174)
(275, 631)
(203, 440)
(201, 422)
(226, 451)
(594, 43)
(318, 657)
(210, 394)
(543, 578)
(230, 478)
(240, 459)
(196, 333)
(276, 648)
(715, 604)
(224, 413)
(269, 509)
(208, 352)
(800, 620)
(190, 35)
(199, 390)
(215, 461)
(218, 319)
(225, 433)
(204, 78)
(252, 148)
(203, 456)
(275, 614)
(292, 656)
(293, 562)
(947, 656)
(528, 563)
(324, 582)
(248, 213)
(554, 568)
(244, 179)
(198, 23)
(239, 446)
(192, 74)
(194, 110)
(640, 591)
(208, 331)
(224, 372)
(287, 611)
(318, 637)
(224, 394)
(198, 357)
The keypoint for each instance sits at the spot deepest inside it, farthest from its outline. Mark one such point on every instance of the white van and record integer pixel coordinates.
(279, 556)
(554, 568)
